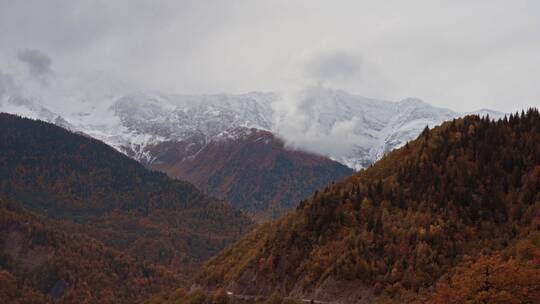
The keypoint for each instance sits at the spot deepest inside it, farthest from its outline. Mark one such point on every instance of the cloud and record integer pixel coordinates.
(338, 65)
(7, 84)
(39, 64)
(458, 54)
(309, 119)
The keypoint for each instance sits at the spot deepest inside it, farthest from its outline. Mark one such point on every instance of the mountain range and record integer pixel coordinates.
(314, 120)
(262, 152)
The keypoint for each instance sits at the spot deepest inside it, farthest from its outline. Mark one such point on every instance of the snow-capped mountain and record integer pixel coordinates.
(353, 130)
(199, 119)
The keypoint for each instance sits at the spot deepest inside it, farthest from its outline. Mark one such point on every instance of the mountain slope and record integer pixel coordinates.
(419, 222)
(251, 169)
(104, 194)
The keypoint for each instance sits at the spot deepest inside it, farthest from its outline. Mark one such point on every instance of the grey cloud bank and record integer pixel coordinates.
(7, 84)
(462, 55)
(38, 63)
(333, 66)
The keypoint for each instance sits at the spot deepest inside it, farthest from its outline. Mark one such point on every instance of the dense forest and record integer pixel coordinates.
(41, 262)
(253, 170)
(452, 217)
(90, 189)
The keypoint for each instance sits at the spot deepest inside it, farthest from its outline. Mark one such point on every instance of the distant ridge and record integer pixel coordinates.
(135, 123)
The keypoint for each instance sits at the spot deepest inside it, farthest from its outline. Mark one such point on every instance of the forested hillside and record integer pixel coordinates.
(452, 217)
(251, 169)
(102, 194)
(43, 261)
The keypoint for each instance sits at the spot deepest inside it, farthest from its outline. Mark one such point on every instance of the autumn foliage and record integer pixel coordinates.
(254, 171)
(40, 262)
(451, 208)
(115, 208)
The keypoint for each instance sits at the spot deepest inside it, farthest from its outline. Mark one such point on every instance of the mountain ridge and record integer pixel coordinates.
(131, 122)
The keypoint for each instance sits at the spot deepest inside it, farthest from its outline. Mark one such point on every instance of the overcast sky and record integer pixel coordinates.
(463, 55)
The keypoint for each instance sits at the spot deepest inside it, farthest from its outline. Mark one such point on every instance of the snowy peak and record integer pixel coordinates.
(181, 116)
(355, 130)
